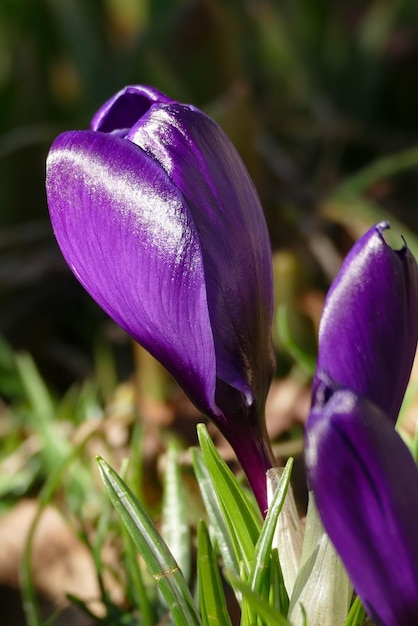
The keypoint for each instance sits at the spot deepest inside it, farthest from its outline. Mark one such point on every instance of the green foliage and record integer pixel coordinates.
(212, 601)
(257, 580)
(356, 614)
(160, 561)
(239, 515)
(175, 523)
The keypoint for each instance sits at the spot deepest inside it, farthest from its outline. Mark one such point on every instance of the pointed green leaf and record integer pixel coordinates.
(278, 597)
(259, 605)
(243, 524)
(356, 615)
(151, 545)
(215, 512)
(266, 576)
(135, 581)
(260, 568)
(211, 595)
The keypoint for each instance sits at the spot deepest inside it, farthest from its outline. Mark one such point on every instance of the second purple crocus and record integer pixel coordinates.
(158, 219)
(369, 326)
(363, 476)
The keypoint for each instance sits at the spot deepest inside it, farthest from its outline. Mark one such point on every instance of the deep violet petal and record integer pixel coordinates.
(365, 483)
(206, 168)
(369, 328)
(126, 107)
(128, 237)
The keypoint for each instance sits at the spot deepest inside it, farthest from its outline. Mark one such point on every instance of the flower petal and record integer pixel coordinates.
(126, 107)
(208, 171)
(127, 234)
(365, 484)
(369, 328)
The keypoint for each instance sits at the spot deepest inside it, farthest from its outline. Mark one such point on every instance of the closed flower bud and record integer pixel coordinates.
(158, 219)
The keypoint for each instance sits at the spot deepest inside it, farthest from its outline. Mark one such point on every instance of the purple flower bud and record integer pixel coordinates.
(369, 327)
(363, 476)
(158, 219)
(365, 483)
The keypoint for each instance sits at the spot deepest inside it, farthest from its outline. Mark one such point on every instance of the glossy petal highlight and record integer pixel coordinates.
(369, 328)
(365, 483)
(125, 232)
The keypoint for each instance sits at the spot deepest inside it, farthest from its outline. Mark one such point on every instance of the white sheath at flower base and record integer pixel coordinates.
(289, 535)
(322, 590)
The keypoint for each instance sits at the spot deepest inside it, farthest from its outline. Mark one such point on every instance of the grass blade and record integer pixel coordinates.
(215, 513)
(151, 545)
(175, 527)
(243, 524)
(356, 615)
(212, 598)
(259, 605)
(259, 571)
(135, 581)
(378, 170)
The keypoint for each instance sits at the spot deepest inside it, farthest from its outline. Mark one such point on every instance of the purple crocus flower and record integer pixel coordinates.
(369, 326)
(363, 476)
(158, 219)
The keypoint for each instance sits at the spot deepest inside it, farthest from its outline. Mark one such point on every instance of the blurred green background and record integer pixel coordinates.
(310, 92)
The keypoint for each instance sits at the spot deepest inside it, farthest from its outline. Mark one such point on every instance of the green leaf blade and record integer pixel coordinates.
(151, 545)
(260, 569)
(259, 605)
(175, 527)
(215, 512)
(243, 524)
(212, 598)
